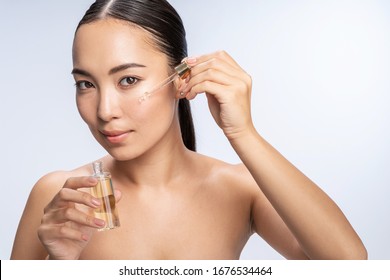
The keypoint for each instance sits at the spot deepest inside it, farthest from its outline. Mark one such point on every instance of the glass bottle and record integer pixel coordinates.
(104, 191)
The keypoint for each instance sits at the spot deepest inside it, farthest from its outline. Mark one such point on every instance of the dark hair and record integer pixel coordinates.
(161, 20)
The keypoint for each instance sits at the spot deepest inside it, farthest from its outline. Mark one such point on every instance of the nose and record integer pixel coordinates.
(109, 105)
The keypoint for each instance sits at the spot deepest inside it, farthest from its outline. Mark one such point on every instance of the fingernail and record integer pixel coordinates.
(99, 222)
(95, 202)
(191, 60)
(92, 180)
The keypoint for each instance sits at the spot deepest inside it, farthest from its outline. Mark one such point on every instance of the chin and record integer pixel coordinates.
(123, 155)
(121, 151)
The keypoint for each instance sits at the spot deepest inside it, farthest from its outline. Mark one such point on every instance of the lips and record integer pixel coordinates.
(115, 136)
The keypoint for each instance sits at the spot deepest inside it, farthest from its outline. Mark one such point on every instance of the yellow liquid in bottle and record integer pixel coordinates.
(107, 211)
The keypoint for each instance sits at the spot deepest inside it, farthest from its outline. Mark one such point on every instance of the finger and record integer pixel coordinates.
(223, 55)
(62, 216)
(218, 71)
(222, 85)
(66, 196)
(211, 75)
(206, 86)
(76, 216)
(80, 182)
(215, 64)
(49, 234)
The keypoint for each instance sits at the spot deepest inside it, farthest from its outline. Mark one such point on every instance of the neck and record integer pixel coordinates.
(158, 167)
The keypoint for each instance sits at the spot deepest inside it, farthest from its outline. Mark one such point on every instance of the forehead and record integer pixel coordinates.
(112, 41)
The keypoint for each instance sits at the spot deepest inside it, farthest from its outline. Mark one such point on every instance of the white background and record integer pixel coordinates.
(321, 90)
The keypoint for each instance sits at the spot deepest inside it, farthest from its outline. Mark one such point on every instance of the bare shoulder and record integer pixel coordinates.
(47, 187)
(236, 172)
(49, 184)
(234, 178)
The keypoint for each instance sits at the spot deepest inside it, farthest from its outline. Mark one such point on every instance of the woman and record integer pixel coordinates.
(173, 202)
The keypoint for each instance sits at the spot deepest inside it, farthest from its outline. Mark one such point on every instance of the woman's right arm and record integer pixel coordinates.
(51, 225)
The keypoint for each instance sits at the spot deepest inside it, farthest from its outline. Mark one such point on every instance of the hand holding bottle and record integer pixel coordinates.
(66, 229)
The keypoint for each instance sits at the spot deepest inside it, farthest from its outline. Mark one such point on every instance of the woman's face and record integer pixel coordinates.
(114, 64)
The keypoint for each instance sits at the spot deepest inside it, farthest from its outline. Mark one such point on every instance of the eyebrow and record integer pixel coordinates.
(124, 67)
(114, 70)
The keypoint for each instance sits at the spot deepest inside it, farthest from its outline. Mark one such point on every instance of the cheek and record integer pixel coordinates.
(153, 111)
(86, 109)
(155, 114)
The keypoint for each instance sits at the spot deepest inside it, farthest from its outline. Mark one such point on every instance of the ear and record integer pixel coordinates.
(180, 84)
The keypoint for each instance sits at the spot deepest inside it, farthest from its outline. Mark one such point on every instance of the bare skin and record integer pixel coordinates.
(174, 203)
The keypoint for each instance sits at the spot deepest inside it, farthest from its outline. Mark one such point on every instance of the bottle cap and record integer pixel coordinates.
(183, 70)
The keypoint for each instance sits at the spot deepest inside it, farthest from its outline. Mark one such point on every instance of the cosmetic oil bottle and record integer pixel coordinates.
(104, 191)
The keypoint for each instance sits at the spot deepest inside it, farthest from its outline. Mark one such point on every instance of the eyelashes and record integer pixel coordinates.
(84, 85)
(124, 83)
(128, 81)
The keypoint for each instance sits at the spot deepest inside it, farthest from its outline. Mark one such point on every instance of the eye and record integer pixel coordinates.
(128, 81)
(83, 85)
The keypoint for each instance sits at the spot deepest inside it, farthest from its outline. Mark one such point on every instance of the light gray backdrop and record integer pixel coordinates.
(321, 89)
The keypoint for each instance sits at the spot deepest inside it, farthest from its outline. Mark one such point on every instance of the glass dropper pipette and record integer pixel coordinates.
(182, 71)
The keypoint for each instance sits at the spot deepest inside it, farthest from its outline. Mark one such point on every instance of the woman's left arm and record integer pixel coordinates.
(317, 223)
